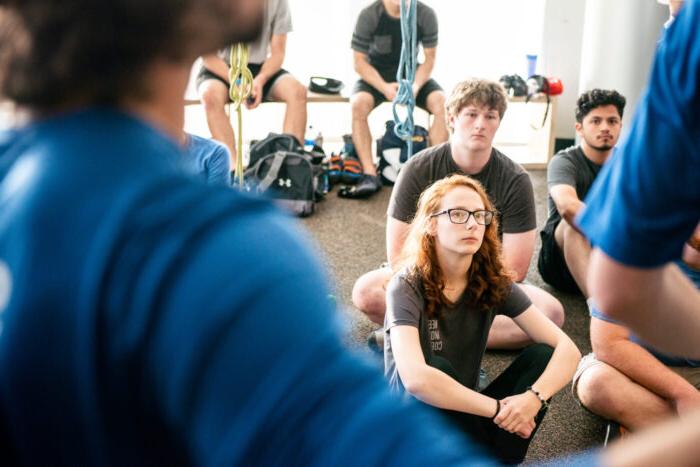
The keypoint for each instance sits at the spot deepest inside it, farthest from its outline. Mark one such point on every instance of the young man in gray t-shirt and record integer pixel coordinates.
(474, 110)
(271, 82)
(563, 259)
(376, 44)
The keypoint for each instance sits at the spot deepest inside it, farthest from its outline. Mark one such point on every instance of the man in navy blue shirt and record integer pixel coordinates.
(646, 202)
(145, 318)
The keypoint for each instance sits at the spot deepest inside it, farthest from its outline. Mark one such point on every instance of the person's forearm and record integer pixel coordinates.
(216, 66)
(370, 75)
(642, 367)
(569, 210)
(423, 73)
(270, 66)
(660, 305)
(438, 389)
(560, 369)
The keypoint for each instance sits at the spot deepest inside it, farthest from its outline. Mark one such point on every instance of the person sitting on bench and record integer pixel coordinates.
(271, 82)
(376, 45)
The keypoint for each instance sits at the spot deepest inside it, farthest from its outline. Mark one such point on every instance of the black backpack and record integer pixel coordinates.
(287, 174)
(392, 151)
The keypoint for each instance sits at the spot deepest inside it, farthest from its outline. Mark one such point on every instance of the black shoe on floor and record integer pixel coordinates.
(365, 187)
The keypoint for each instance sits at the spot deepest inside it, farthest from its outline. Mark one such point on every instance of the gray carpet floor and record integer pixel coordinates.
(350, 236)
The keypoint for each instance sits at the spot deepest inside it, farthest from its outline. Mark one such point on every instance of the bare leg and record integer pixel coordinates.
(214, 96)
(505, 334)
(362, 104)
(290, 91)
(369, 294)
(576, 251)
(436, 106)
(612, 395)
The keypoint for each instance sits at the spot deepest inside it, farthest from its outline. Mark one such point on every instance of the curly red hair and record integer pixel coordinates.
(488, 281)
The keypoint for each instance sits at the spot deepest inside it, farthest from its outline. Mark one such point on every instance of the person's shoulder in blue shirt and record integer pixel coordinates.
(208, 158)
(185, 323)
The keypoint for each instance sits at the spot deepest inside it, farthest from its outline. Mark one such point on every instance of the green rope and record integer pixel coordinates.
(406, 73)
(241, 80)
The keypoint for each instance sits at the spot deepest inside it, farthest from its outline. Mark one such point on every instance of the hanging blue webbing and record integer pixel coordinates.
(406, 73)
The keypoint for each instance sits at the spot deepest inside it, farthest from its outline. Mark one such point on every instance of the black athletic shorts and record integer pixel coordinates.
(421, 99)
(205, 75)
(552, 265)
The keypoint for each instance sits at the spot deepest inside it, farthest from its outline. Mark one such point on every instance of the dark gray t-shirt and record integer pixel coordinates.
(378, 36)
(457, 333)
(569, 167)
(506, 182)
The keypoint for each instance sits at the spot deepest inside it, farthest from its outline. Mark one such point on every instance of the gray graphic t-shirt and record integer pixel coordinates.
(508, 185)
(457, 334)
(378, 36)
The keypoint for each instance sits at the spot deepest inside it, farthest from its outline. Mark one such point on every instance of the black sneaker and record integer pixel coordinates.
(375, 341)
(365, 187)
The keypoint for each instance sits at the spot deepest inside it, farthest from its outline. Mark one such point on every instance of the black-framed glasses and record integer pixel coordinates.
(461, 216)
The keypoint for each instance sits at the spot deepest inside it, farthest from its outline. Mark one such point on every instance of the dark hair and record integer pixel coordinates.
(59, 52)
(597, 98)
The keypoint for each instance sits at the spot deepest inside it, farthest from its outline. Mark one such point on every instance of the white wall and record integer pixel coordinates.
(561, 50)
(619, 40)
(476, 38)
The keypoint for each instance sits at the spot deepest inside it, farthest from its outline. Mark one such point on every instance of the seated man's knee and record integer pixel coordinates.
(368, 295)
(213, 97)
(297, 93)
(436, 103)
(361, 105)
(594, 389)
(554, 310)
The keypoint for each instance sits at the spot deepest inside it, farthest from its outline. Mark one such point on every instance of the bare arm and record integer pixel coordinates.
(370, 74)
(611, 344)
(517, 252)
(567, 202)
(566, 355)
(396, 232)
(519, 410)
(430, 385)
(216, 65)
(660, 305)
(425, 69)
(271, 65)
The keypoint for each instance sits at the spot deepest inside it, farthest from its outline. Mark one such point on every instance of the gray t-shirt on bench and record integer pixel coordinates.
(457, 334)
(506, 182)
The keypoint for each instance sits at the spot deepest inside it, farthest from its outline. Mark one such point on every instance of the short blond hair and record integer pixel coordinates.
(480, 92)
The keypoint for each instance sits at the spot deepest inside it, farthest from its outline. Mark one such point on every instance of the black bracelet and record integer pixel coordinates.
(498, 409)
(543, 402)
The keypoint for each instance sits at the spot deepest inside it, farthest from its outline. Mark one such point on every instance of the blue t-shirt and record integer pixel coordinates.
(668, 360)
(645, 203)
(208, 158)
(147, 319)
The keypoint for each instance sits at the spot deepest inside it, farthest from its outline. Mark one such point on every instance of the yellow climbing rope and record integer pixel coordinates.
(241, 80)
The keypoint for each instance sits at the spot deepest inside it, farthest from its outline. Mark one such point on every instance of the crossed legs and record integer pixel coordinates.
(368, 295)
